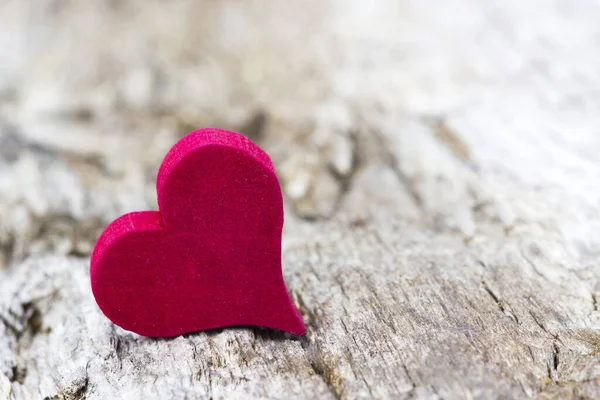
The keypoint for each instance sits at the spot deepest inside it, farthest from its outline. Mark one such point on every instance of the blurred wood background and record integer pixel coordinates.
(440, 164)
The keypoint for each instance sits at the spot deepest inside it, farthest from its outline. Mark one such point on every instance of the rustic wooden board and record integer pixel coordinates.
(442, 180)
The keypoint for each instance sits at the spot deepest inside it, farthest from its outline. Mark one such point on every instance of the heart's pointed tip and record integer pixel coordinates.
(287, 319)
(298, 330)
(297, 324)
(301, 331)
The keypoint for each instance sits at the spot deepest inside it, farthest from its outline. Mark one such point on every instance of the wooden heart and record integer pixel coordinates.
(211, 257)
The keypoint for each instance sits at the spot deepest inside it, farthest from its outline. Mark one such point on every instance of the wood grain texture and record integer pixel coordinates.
(439, 162)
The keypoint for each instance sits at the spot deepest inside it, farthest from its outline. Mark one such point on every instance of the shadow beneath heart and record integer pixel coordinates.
(265, 334)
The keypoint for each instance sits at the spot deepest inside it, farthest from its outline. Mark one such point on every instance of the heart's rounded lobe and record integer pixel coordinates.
(211, 257)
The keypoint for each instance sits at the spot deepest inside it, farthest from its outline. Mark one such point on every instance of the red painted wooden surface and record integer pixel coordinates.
(211, 257)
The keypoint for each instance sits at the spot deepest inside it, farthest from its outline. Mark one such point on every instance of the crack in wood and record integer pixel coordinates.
(317, 365)
(312, 352)
(346, 181)
(451, 140)
(500, 303)
(390, 158)
(555, 357)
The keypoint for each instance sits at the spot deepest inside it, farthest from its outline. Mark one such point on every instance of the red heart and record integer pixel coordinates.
(211, 257)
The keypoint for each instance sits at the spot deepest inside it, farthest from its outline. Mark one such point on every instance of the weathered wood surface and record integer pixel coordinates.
(441, 167)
